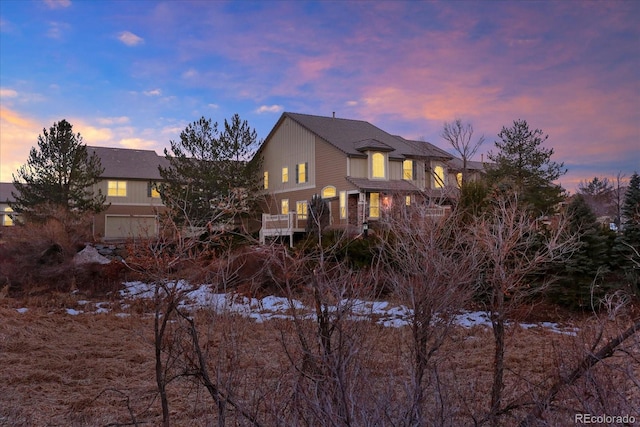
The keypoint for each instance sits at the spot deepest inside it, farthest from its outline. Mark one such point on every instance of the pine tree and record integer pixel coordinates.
(212, 176)
(628, 244)
(523, 166)
(589, 263)
(60, 174)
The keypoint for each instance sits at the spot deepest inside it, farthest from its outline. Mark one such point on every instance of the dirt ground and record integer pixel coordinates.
(98, 369)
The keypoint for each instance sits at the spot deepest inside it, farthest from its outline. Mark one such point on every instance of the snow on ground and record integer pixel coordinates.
(273, 307)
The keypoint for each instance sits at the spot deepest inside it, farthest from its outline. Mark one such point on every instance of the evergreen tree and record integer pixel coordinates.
(598, 193)
(589, 263)
(59, 173)
(212, 176)
(523, 166)
(628, 244)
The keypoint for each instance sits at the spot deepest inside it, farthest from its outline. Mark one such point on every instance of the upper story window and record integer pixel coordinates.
(378, 169)
(152, 190)
(408, 170)
(265, 180)
(117, 188)
(285, 174)
(328, 192)
(301, 172)
(438, 177)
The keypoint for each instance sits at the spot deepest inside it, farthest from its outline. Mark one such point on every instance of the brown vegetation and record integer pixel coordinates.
(99, 370)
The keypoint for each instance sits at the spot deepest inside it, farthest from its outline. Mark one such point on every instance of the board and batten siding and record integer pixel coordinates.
(289, 146)
(358, 167)
(137, 193)
(395, 169)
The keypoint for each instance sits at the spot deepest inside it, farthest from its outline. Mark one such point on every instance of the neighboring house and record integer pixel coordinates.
(129, 181)
(6, 188)
(359, 169)
(474, 170)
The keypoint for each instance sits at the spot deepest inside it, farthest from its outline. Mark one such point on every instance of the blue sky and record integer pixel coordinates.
(135, 73)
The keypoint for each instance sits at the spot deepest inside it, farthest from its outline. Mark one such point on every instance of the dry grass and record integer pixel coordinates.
(92, 369)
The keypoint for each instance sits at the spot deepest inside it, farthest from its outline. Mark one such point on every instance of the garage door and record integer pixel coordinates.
(123, 227)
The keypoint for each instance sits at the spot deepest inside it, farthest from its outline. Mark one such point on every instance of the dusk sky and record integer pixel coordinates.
(134, 74)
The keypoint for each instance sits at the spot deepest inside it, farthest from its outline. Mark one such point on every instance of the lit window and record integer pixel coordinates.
(301, 209)
(387, 201)
(377, 166)
(7, 221)
(285, 174)
(343, 204)
(301, 172)
(265, 179)
(459, 179)
(438, 177)
(374, 205)
(407, 170)
(284, 206)
(328, 192)
(117, 188)
(407, 200)
(152, 190)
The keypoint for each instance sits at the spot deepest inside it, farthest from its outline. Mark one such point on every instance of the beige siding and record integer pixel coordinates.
(137, 193)
(395, 169)
(358, 167)
(289, 146)
(332, 167)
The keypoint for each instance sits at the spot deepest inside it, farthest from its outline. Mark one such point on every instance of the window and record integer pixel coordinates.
(284, 206)
(285, 174)
(438, 177)
(343, 204)
(301, 172)
(377, 166)
(301, 209)
(407, 200)
(117, 188)
(7, 221)
(374, 205)
(408, 171)
(265, 179)
(152, 190)
(328, 192)
(459, 179)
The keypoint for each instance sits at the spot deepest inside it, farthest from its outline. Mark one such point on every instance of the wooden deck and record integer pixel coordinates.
(281, 225)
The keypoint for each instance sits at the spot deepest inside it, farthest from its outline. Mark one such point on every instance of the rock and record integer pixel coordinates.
(90, 255)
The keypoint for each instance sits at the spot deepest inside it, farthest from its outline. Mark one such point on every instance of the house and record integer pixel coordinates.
(6, 188)
(129, 182)
(358, 168)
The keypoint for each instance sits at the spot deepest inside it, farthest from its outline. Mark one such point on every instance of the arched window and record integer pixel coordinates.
(377, 166)
(328, 192)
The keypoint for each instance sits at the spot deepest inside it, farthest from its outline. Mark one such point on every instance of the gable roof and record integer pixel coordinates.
(129, 163)
(352, 137)
(6, 188)
(472, 165)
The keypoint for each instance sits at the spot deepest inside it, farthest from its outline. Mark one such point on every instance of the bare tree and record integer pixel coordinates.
(459, 135)
(419, 253)
(514, 249)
